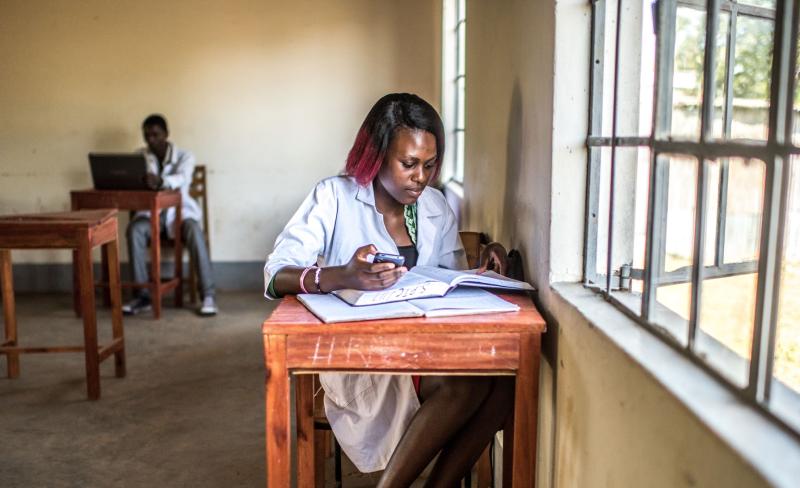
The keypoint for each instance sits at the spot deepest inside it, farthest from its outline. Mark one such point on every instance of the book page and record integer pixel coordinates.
(330, 309)
(464, 300)
(471, 278)
(411, 285)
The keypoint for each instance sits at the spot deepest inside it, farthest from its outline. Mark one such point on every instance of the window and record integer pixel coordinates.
(693, 188)
(453, 86)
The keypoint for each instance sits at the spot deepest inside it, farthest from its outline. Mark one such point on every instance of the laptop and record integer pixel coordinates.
(118, 171)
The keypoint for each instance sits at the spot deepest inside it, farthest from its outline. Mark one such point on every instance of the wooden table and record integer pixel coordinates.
(297, 344)
(81, 231)
(154, 201)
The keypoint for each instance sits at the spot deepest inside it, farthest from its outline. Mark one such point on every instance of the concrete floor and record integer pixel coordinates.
(189, 413)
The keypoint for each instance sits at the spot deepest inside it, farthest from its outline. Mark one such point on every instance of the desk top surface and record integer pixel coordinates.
(84, 218)
(292, 317)
(125, 199)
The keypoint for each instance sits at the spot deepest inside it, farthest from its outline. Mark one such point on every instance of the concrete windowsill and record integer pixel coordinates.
(770, 450)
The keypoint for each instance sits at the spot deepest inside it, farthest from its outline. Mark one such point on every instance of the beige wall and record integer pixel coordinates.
(604, 420)
(268, 94)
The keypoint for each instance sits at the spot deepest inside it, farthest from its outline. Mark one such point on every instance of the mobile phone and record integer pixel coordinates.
(383, 257)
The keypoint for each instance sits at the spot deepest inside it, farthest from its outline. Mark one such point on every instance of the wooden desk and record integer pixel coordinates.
(297, 343)
(81, 231)
(154, 201)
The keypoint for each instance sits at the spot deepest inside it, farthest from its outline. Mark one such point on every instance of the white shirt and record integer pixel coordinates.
(177, 175)
(368, 413)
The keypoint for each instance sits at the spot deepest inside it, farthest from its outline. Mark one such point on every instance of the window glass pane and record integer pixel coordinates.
(759, 3)
(796, 111)
(673, 295)
(603, 208)
(743, 210)
(459, 172)
(636, 69)
(786, 367)
(720, 73)
(751, 77)
(460, 102)
(687, 78)
(462, 48)
(728, 293)
(630, 223)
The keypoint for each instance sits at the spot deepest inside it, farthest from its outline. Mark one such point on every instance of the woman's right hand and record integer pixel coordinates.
(360, 274)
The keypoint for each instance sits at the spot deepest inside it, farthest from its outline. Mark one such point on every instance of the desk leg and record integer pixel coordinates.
(111, 249)
(526, 415)
(106, 290)
(9, 312)
(305, 431)
(278, 425)
(76, 296)
(179, 256)
(155, 260)
(89, 318)
(76, 285)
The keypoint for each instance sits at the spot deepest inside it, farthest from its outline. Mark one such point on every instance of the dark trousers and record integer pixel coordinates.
(139, 238)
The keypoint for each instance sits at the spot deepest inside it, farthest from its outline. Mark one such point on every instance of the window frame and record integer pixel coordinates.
(775, 152)
(453, 74)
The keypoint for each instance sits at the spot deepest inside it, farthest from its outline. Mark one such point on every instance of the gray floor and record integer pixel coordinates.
(189, 413)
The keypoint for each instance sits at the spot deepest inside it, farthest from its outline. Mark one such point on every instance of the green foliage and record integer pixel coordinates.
(752, 60)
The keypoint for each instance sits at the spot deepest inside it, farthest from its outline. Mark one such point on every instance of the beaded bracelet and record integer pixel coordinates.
(303, 277)
(316, 279)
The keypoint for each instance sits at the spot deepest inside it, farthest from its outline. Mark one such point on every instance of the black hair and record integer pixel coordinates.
(155, 119)
(392, 112)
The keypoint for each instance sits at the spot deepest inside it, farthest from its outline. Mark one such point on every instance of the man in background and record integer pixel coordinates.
(169, 168)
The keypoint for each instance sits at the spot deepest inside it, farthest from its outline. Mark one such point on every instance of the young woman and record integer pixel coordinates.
(383, 204)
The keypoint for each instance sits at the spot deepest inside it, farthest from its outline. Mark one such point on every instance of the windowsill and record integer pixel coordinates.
(771, 451)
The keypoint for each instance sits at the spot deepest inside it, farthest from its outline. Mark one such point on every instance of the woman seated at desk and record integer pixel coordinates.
(383, 203)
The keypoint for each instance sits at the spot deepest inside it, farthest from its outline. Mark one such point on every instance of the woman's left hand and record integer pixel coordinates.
(494, 257)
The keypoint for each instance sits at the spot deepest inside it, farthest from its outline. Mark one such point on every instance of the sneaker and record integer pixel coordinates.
(209, 306)
(137, 305)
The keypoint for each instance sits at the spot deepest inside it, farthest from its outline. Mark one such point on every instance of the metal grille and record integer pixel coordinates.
(715, 145)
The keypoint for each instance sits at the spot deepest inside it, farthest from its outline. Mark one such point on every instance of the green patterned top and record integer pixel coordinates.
(410, 214)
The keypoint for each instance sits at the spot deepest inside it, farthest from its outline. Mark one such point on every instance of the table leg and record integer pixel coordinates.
(278, 431)
(115, 295)
(76, 285)
(305, 431)
(89, 318)
(526, 411)
(9, 312)
(179, 256)
(76, 297)
(155, 260)
(106, 290)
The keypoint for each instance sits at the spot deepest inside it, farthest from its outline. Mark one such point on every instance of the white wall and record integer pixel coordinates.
(268, 94)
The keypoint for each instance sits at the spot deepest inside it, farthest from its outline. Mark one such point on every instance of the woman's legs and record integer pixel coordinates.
(463, 450)
(448, 402)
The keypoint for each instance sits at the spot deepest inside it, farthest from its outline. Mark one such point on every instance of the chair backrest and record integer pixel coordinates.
(472, 246)
(199, 191)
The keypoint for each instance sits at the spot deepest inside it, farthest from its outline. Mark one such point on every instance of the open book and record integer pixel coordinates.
(430, 281)
(461, 301)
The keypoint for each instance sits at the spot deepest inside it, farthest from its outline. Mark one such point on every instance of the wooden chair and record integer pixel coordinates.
(199, 191)
(473, 245)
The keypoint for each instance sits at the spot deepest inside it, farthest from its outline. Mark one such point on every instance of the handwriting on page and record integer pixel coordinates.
(405, 293)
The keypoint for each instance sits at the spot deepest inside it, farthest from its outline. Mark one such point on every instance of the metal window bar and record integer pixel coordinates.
(460, 17)
(774, 152)
(613, 168)
(768, 287)
(595, 126)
